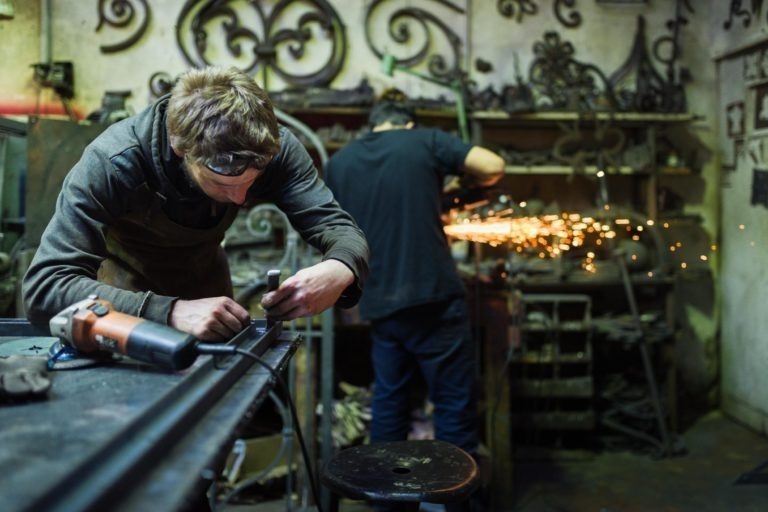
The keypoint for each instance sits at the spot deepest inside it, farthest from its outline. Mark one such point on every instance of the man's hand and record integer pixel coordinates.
(210, 319)
(309, 291)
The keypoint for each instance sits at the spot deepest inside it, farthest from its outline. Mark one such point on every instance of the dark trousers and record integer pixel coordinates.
(434, 339)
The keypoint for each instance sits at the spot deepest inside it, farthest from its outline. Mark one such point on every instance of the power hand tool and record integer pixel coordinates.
(92, 325)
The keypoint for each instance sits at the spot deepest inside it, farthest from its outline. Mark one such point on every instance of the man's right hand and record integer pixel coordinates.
(210, 319)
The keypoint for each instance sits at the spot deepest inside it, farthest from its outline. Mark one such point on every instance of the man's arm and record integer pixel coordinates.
(64, 269)
(484, 166)
(297, 189)
(308, 292)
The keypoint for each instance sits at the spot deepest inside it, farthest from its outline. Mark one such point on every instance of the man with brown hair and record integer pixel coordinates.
(141, 216)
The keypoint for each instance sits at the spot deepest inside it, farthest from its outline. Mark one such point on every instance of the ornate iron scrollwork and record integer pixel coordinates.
(651, 92)
(646, 95)
(674, 95)
(400, 32)
(601, 145)
(160, 83)
(516, 8)
(571, 19)
(121, 14)
(566, 83)
(746, 15)
(198, 19)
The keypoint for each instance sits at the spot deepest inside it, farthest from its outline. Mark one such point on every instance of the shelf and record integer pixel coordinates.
(628, 117)
(572, 326)
(675, 171)
(331, 111)
(566, 170)
(533, 358)
(500, 115)
(577, 387)
(592, 170)
(363, 111)
(555, 420)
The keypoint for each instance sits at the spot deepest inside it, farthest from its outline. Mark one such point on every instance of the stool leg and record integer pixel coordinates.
(396, 506)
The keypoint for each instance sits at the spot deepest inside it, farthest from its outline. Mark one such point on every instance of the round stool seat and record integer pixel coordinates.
(404, 471)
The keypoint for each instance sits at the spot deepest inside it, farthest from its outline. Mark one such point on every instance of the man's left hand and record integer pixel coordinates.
(308, 292)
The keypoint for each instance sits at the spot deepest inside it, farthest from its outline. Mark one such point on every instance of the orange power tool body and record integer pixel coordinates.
(93, 325)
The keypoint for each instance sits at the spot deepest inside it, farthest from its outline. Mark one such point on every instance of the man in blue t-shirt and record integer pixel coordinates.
(390, 180)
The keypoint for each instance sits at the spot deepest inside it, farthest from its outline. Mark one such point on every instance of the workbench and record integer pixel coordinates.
(130, 436)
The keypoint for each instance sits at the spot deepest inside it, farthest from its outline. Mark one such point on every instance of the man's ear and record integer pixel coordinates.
(178, 153)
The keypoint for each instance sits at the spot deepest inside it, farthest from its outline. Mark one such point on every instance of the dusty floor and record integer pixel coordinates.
(719, 451)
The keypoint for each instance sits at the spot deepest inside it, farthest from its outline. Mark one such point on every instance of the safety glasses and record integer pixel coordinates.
(229, 165)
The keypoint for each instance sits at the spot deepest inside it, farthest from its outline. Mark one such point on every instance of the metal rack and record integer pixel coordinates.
(551, 371)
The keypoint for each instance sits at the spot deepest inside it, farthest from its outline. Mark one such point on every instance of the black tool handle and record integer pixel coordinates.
(273, 280)
(273, 283)
(162, 345)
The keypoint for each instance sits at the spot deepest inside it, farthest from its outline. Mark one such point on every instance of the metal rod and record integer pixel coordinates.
(107, 475)
(326, 392)
(20, 327)
(646, 360)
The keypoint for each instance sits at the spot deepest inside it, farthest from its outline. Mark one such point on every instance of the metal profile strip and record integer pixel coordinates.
(112, 471)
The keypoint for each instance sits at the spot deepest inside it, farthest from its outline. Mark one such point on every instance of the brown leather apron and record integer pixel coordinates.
(149, 251)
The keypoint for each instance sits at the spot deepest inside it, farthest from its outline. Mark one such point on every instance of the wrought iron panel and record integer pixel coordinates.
(257, 40)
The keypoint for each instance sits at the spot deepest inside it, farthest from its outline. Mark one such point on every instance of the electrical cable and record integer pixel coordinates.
(211, 349)
(287, 434)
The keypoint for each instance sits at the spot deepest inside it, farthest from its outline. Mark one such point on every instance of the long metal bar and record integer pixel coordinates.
(108, 475)
(326, 391)
(650, 375)
(20, 327)
(12, 127)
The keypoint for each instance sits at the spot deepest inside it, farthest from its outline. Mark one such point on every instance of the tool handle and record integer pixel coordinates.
(99, 327)
(273, 283)
(273, 280)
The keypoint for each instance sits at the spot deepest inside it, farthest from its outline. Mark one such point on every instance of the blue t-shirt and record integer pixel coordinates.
(391, 183)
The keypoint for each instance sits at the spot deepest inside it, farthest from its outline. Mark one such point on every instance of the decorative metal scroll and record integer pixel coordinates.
(565, 83)
(674, 95)
(399, 29)
(579, 147)
(267, 39)
(160, 83)
(745, 14)
(518, 9)
(121, 14)
(571, 19)
(647, 92)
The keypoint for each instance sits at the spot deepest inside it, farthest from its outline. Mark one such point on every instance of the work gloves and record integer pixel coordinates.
(22, 378)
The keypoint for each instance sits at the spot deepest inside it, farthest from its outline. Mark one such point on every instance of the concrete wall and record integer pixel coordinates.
(604, 38)
(19, 48)
(741, 53)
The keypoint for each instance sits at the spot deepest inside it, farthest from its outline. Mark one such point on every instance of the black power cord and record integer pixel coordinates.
(211, 349)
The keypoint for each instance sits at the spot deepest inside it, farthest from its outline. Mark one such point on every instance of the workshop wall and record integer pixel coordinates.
(741, 54)
(142, 56)
(19, 49)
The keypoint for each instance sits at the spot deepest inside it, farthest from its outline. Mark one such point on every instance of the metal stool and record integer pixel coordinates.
(403, 473)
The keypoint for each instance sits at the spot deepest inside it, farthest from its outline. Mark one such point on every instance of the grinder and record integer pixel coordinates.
(92, 325)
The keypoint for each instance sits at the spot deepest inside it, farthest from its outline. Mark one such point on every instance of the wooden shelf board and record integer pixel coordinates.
(565, 169)
(643, 117)
(500, 115)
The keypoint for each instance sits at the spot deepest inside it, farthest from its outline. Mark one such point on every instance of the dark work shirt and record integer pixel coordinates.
(128, 170)
(391, 183)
